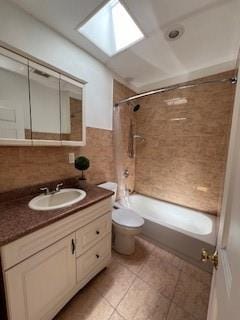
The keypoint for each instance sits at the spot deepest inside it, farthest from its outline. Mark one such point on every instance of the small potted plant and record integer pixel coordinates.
(82, 164)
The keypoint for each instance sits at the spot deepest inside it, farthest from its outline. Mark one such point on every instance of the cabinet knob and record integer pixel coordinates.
(97, 256)
(97, 232)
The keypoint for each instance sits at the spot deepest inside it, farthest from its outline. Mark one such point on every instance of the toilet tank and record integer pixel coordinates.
(112, 186)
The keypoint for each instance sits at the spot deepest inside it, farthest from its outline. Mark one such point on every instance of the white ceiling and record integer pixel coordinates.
(209, 44)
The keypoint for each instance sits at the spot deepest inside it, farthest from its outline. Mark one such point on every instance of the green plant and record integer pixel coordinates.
(82, 164)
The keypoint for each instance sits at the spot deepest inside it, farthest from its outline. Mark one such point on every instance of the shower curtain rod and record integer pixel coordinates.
(169, 88)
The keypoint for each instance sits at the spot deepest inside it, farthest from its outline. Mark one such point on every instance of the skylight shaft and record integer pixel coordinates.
(125, 29)
(112, 29)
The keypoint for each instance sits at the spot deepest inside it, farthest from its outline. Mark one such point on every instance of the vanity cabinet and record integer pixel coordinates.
(43, 270)
(39, 104)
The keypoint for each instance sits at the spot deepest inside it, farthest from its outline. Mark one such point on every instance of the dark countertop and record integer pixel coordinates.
(18, 220)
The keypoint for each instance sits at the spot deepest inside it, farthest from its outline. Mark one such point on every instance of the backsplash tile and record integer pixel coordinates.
(26, 166)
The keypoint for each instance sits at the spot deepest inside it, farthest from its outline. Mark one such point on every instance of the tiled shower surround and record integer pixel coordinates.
(186, 136)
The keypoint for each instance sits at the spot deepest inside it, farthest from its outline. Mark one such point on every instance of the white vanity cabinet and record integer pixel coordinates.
(43, 270)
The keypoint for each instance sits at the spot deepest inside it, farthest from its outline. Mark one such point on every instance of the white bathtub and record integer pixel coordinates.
(182, 230)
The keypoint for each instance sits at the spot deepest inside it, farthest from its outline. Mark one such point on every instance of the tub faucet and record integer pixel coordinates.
(126, 173)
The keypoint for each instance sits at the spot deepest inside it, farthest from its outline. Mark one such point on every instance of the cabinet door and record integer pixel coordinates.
(37, 286)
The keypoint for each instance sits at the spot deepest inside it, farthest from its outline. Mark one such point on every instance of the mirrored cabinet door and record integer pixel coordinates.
(45, 105)
(15, 122)
(72, 112)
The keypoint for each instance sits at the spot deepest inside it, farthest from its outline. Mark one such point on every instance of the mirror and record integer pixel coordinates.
(71, 109)
(15, 120)
(39, 105)
(45, 103)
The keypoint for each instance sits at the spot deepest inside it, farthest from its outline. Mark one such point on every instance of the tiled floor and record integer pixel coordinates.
(152, 284)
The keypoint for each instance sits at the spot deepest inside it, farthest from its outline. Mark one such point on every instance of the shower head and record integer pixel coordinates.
(136, 107)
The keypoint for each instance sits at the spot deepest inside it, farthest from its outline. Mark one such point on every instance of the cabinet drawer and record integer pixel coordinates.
(90, 260)
(92, 233)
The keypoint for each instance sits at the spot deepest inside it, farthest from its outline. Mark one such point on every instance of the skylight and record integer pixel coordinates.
(111, 29)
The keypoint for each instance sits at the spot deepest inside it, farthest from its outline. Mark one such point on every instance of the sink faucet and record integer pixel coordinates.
(58, 187)
(46, 190)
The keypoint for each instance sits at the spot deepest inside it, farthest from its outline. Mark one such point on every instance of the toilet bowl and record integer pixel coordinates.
(126, 224)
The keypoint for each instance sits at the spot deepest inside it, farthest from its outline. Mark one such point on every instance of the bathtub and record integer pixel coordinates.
(180, 230)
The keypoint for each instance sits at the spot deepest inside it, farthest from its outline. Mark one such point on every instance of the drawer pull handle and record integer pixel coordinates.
(73, 246)
(97, 256)
(97, 232)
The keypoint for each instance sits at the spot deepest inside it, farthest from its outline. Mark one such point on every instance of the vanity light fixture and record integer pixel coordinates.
(111, 29)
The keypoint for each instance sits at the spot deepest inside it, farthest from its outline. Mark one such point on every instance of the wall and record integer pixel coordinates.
(22, 31)
(184, 154)
(24, 166)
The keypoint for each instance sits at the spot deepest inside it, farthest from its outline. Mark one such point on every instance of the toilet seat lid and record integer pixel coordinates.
(127, 218)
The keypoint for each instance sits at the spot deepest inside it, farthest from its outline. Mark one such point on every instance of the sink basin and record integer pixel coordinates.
(61, 199)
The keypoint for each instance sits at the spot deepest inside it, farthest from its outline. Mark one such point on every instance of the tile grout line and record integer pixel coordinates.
(126, 294)
(172, 300)
(115, 307)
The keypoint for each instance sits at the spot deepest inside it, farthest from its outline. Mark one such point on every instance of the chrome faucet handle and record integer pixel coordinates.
(59, 186)
(45, 190)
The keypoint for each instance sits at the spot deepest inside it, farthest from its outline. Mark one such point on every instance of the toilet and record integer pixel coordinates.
(126, 224)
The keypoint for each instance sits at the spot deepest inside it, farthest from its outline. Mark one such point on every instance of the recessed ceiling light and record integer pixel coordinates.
(174, 33)
(112, 29)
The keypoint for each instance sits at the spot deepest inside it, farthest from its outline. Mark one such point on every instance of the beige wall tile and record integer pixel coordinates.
(184, 161)
(25, 166)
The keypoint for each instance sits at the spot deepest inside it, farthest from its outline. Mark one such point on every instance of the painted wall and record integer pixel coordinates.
(22, 31)
(186, 136)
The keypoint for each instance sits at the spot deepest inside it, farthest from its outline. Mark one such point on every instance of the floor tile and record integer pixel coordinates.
(176, 313)
(135, 261)
(116, 316)
(152, 284)
(113, 282)
(164, 256)
(160, 275)
(192, 296)
(88, 304)
(142, 302)
(197, 273)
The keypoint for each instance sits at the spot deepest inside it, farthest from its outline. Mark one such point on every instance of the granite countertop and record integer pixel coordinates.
(18, 220)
